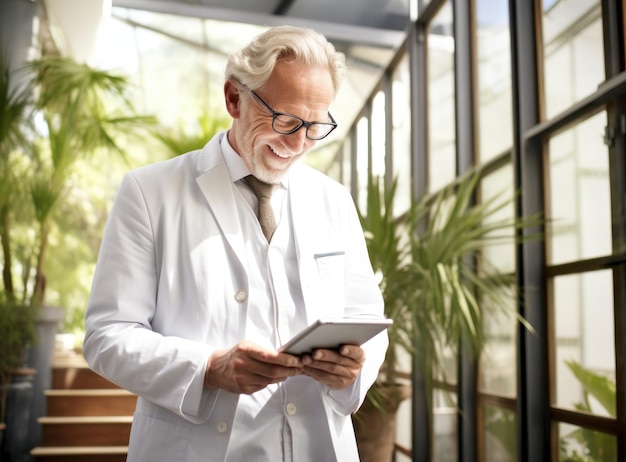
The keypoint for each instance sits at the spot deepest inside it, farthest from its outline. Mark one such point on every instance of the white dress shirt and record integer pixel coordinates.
(271, 421)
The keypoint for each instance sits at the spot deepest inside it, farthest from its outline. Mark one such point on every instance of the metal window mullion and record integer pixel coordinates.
(465, 142)
(420, 416)
(533, 383)
(614, 49)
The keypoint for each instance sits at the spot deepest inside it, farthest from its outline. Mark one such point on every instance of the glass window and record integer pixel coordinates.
(497, 186)
(161, 59)
(378, 135)
(346, 162)
(362, 160)
(573, 52)
(498, 360)
(579, 195)
(500, 443)
(498, 366)
(441, 124)
(493, 48)
(404, 437)
(445, 422)
(585, 352)
(582, 444)
(401, 120)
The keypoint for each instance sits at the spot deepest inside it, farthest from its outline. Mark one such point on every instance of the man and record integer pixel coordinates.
(191, 300)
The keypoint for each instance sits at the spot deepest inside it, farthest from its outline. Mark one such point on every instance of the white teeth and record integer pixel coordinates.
(280, 155)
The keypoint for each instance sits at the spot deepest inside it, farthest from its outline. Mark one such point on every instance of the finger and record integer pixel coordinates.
(273, 357)
(331, 368)
(353, 351)
(331, 380)
(273, 372)
(335, 357)
(257, 376)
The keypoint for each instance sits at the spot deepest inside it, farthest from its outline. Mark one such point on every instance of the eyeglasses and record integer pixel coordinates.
(286, 124)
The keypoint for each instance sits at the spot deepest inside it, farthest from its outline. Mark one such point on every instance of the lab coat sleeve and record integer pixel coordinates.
(120, 343)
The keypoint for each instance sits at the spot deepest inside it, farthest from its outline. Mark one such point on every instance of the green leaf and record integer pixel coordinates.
(598, 386)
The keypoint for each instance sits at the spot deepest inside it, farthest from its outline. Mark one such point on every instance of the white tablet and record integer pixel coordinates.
(332, 333)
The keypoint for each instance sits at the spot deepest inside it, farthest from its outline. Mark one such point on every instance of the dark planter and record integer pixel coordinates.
(375, 428)
(15, 445)
(40, 359)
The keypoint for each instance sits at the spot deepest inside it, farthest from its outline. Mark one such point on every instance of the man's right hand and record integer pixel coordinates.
(247, 368)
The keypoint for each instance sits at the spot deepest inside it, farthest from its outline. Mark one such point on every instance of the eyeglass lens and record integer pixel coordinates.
(287, 124)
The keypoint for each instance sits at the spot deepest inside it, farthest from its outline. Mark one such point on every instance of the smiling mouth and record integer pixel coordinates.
(278, 154)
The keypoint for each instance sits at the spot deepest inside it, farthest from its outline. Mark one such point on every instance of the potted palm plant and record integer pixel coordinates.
(67, 113)
(434, 286)
(17, 325)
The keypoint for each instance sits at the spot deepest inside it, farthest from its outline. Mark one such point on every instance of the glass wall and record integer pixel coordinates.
(582, 295)
(401, 134)
(441, 125)
(493, 75)
(573, 52)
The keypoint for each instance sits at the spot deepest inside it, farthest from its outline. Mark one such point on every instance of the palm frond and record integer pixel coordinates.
(179, 140)
(434, 282)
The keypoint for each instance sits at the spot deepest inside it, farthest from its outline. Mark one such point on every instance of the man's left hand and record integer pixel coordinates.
(335, 369)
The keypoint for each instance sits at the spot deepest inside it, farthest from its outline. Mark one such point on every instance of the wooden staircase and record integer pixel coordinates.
(88, 418)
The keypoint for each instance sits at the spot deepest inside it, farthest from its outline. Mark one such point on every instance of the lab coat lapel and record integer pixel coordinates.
(304, 235)
(216, 186)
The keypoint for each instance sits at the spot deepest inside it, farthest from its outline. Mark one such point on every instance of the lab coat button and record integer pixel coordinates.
(291, 409)
(241, 295)
(222, 427)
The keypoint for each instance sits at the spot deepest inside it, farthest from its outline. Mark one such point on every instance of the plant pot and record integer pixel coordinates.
(19, 396)
(40, 358)
(2, 428)
(375, 425)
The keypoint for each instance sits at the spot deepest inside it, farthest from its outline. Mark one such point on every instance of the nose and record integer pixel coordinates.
(296, 141)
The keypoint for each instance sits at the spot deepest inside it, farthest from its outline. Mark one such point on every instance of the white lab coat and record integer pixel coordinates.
(171, 286)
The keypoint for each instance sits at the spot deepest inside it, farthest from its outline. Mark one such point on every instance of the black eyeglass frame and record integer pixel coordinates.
(303, 123)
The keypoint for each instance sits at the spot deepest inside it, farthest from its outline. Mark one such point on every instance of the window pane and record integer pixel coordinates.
(362, 160)
(346, 162)
(498, 361)
(175, 80)
(585, 352)
(579, 202)
(378, 135)
(500, 255)
(401, 119)
(574, 52)
(581, 444)
(445, 426)
(495, 125)
(500, 444)
(441, 125)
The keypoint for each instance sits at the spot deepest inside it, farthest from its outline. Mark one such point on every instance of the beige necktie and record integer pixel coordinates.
(263, 192)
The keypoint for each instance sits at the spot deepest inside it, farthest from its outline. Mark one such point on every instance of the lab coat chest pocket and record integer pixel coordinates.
(331, 273)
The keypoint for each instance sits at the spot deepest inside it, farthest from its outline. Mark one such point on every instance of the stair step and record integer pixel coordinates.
(85, 431)
(80, 454)
(90, 402)
(78, 378)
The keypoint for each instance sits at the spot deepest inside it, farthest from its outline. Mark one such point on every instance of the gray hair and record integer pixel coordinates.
(253, 64)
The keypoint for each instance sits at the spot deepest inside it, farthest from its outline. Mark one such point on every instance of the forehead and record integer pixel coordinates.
(294, 83)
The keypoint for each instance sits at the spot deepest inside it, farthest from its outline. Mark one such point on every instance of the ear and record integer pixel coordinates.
(231, 96)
